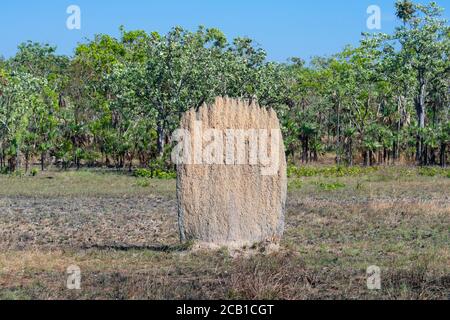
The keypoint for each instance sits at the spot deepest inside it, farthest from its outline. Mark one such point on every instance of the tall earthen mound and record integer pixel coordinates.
(232, 183)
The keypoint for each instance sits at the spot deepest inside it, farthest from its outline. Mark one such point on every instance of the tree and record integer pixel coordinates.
(20, 95)
(405, 10)
(182, 72)
(422, 40)
(118, 99)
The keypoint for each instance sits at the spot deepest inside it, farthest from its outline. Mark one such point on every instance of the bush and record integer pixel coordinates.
(333, 171)
(18, 173)
(295, 184)
(432, 172)
(34, 172)
(428, 172)
(142, 173)
(330, 186)
(155, 174)
(165, 175)
(143, 182)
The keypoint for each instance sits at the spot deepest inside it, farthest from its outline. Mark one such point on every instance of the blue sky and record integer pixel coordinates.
(285, 28)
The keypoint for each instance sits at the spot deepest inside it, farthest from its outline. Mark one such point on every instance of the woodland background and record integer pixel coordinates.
(115, 102)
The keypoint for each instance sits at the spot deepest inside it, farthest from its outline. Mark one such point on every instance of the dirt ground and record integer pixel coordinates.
(122, 233)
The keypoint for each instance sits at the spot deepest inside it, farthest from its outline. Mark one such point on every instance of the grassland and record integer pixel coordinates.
(122, 232)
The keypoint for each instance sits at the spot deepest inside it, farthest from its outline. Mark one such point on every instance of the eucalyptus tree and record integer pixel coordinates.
(42, 61)
(422, 38)
(182, 72)
(89, 119)
(304, 115)
(133, 123)
(371, 109)
(244, 67)
(400, 83)
(20, 96)
(119, 98)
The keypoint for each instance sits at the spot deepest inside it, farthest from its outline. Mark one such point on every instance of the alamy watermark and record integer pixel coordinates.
(74, 278)
(255, 147)
(373, 278)
(374, 19)
(73, 22)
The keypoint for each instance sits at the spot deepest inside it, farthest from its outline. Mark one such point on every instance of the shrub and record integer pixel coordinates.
(165, 175)
(142, 173)
(434, 171)
(330, 186)
(34, 172)
(143, 182)
(333, 171)
(154, 174)
(295, 184)
(428, 172)
(18, 173)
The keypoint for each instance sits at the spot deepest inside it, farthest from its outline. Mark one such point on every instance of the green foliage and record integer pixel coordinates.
(118, 100)
(142, 173)
(18, 173)
(329, 171)
(429, 172)
(432, 172)
(166, 175)
(154, 174)
(405, 10)
(330, 186)
(295, 184)
(143, 182)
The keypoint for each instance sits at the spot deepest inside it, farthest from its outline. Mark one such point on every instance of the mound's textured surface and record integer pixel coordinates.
(231, 202)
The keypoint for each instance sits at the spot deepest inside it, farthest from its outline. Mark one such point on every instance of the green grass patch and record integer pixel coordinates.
(330, 186)
(433, 172)
(331, 171)
(295, 184)
(155, 174)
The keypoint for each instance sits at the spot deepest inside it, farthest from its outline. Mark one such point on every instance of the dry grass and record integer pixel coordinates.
(123, 236)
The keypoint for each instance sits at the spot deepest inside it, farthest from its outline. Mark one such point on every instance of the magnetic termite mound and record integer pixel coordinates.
(231, 166)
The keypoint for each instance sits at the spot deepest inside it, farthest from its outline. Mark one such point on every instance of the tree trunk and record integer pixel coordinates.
(420, 109)
(130, 166)
(306, 149)
(396, 149)
(27, 161)
(18, 164)
(338, 151)
(442, 155)
(42, 161)
(433, 157)
(160, 143)
(350, 152)
(2, 158)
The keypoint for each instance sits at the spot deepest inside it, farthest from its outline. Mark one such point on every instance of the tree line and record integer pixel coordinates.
(116, 101)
